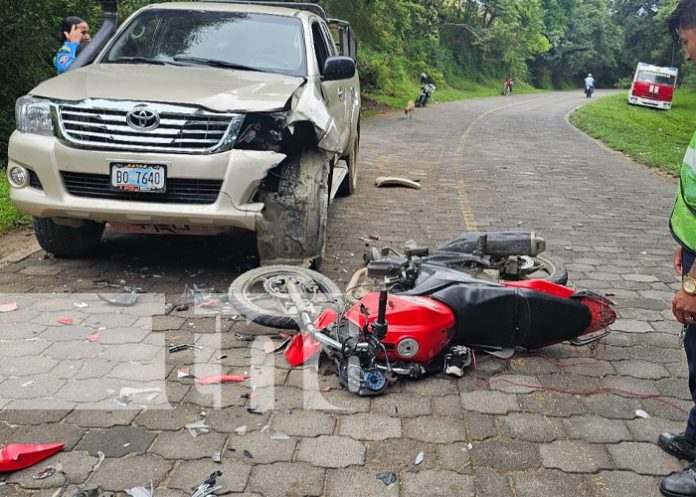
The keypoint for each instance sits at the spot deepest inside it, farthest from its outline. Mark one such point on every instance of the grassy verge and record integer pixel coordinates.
(10, 217)
(652, 137)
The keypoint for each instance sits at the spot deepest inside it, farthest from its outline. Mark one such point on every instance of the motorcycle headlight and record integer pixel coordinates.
(34, 116)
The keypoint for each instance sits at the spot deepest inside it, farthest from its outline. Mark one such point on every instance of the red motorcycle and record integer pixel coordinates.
(430, 313)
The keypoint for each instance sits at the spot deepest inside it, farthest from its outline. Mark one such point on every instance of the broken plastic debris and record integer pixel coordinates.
(469, 446)
(642, 414)
(141, 491)
(20, 456)
(126, 394)
(27, 383)
(46, 473)
(184, 373)
(12, 306)
(101, 456)
(247, 454)
(241, 430)
(217, 457)
(81, 305)
(326, 389)
(66, 321)
(383, 181)
(387, 478)
(420, 457)
(196, 428)
(216, 380)
(209, 486)
(94, 337)
(279, 436)
(185, 346)
(87, 492)
(125, 299)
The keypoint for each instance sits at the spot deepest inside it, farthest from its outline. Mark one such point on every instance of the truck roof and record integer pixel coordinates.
(273, 8)
(659, 69)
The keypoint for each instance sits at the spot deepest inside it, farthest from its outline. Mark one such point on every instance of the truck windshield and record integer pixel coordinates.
(656, 78)
(234, 40)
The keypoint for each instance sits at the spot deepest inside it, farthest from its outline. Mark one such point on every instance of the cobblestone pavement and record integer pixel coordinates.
(563, 424)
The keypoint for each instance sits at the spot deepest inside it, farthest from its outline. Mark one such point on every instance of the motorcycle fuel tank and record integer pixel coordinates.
(419, 328)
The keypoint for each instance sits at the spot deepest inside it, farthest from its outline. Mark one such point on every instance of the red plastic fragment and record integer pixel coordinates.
(18, 456)
(94, 337)
(67, 321)
(215, 380)
(301, 348)
(12, 306)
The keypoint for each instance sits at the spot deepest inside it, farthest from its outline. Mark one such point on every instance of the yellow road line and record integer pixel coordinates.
(464, 205)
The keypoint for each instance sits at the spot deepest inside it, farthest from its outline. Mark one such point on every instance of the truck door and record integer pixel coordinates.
(335, 92)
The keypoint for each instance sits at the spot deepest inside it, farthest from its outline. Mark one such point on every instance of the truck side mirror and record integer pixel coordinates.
(338, 68)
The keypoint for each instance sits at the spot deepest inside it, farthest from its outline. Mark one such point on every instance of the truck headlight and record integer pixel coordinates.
(34, 116)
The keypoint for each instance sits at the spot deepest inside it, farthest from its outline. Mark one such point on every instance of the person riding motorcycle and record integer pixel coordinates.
(509, 84)
(589, 84)
(427, 90)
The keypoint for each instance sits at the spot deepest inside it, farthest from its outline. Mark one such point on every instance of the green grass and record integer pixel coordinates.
(652, 137)
(10, 217)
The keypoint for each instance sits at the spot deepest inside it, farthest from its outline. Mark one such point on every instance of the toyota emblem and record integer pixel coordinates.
(143, 119)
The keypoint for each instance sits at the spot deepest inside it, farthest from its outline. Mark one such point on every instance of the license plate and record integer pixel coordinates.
(136, 177)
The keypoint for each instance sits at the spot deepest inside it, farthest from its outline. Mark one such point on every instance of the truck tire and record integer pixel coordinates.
(293, 227)
(350, 182)
(66, 241)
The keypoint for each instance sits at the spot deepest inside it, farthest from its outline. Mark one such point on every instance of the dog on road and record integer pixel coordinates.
(410, 109)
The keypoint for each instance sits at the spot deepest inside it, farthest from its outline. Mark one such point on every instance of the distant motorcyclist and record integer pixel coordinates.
(590, 84)
(509, 84)
(427, 90)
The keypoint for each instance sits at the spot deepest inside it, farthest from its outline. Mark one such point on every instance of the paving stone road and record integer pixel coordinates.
(563, 424)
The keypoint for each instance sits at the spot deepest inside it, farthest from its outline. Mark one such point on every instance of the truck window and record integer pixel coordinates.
(656, 78)
(321, 49)
(267, 43)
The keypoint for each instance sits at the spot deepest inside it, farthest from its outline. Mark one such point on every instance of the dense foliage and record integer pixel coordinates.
(458, 42)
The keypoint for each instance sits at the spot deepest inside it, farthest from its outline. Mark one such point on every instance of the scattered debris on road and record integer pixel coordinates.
(420, 457)
(19, 456)
(216, 380)
(185, 346)
(197, 428)
(122, 300)
(46, 473)
(209, 486)
(640, 413)
(387, 478)
(12, 306)
(141, 491)
(126, 395)
(384, 181)
(217, 457)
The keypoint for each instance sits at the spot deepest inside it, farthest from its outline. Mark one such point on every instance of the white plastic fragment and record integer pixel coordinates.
(81, 305)
(241, 430)
(420, 457)
(642, 414)
(279, 436)
(12, 306)
(141, 491)
(196, 428)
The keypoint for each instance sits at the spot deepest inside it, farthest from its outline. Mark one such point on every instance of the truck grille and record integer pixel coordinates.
(179, 191)
(178, 129)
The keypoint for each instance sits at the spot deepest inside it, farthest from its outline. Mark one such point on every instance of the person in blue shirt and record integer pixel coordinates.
(74, 35)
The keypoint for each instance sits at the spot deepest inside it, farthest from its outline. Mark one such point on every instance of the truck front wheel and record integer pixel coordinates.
(67, 241)
(293, 227)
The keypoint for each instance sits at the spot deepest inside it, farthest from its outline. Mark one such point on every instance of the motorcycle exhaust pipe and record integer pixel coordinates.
(498, 244)
(107, 30)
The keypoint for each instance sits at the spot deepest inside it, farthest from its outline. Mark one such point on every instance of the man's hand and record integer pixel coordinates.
(75, 34)
(684, 307)
(678, 259)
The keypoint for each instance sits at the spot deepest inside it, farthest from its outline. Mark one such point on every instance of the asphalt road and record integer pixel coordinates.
(561, 424)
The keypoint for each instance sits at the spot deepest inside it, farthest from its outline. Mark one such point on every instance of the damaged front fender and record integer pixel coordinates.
(308, 105)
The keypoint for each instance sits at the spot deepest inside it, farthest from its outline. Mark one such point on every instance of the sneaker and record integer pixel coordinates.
(681, 484)
(678, 446)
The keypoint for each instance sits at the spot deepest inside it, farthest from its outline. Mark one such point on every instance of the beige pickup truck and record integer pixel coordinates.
(195, 118)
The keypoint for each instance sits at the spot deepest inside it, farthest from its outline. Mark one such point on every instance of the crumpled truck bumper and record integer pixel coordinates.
(240, 172)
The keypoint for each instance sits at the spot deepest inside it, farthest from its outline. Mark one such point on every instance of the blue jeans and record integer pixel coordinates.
(688, 259)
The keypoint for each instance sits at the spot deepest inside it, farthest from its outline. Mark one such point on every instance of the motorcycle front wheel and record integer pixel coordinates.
(262, 295)
(540, 267)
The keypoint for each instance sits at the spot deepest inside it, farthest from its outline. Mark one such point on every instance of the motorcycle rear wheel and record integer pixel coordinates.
(261, 295)
(544, 267)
